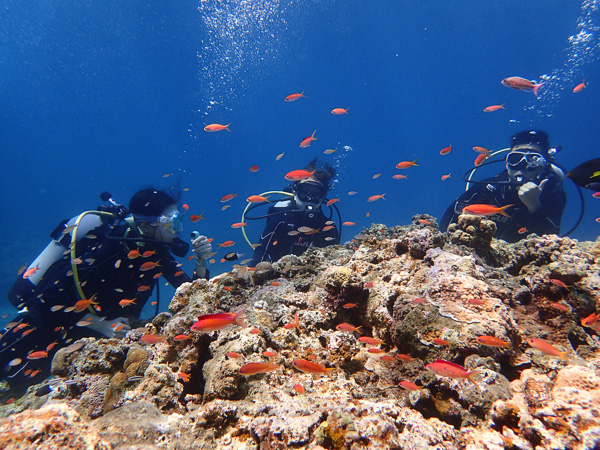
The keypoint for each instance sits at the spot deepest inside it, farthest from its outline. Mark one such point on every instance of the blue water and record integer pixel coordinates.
(101, 96)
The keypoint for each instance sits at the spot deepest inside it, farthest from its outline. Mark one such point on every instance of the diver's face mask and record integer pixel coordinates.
(168, 224)
(309, 194)
(525, 164)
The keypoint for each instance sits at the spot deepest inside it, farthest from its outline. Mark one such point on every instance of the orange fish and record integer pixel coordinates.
(405, 358)
(195, 218)
(255, 331)
(406, 164)
(339, 111)
(374, 198)
(185, 206)
(143, 288)
(228, 197)
(349, 305)
(152, 339)
(580, 87)
(409, 385)
(481, 150)
(38, 355)
(590, 320)
(256, 199)
(307, 140)
(493, 108)
(348, 224)
(149, 265)
(521, 84)
(449, 369)
(480, 159)
(234, 355)
(275, 283)
(82, 305)
(369, 340)
(297, 175)
(126, 302)
(522, 230)
(254, 169)
(269, 354)
(29, 272)
(51, 346)
(399, 176)
(476, 301)
(184, 376)
(558, 283)
(387, 358)
(546, 348)
(446, 150)
(368, 285)
(291, 325)
(561, 307)
(486, 210)
(348, 327)
(441, 342)
(310, 366)
(226, 244)
(294, 97)
(492, 341)
(216, 127)
(299, 388)
(424, 221)
(239, 225)
(214, 322)
(329, 203)
(182, 337)
(375, 350)
(445, 177)
(252, 368)
(148, 253)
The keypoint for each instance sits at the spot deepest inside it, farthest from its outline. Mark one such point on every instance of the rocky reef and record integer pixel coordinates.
(404, 338)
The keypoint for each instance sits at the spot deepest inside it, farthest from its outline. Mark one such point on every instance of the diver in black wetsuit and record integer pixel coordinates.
(284, 233)
(92, 279)
(531, 183)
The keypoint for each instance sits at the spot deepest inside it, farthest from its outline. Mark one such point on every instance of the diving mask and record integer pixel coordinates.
(525, 160)
(310, 192)
(174, 220)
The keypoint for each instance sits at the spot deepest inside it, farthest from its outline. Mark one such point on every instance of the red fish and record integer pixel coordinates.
(195, 218)
(480, 159)
(521, 84)
(226, 244)
(38, 355)
(216, 127)
(297, 175)
(310, 366)
(256, 199)
(299, 388)
(239, 225)
(348, 327)
(369, 340)
(254, 169)
(149, 265)
(449, 369)
(214, 322)
(182, 337)
(234, 355)
(409, 385)
(307, 140)
(493, 108)
(126, 302)
(405, 358)
(546, 348)
(294, 97)
(374, 198)
(339, 111)
(252, 368)
(29, 272)
(558, 283)
(493, 341)
(580, 87)
(228, 197)
(445, 177)
(406, 164)
(485, 210)
(446, 150)
(399, 176)
(439, 341)
(152, 339)
(329, 203)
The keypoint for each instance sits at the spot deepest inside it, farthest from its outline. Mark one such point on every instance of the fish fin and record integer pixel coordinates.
(501, 211)
(227, 128)
(471, 379)
(536, 88)
(239, 318)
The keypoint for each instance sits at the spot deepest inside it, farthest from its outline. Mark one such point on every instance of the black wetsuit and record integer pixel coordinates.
(106, 273)
(275, 240)
(545, 221)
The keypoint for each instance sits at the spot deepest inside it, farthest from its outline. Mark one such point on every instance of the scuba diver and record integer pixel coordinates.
(93, 278)
(295, 224)
(531, 183)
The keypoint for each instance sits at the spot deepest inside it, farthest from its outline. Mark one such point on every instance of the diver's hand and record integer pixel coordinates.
(115, 328)
(201, 247)
(529, 194)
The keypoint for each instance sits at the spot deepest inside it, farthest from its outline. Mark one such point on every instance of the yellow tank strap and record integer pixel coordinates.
(243, 219)
(497, 152)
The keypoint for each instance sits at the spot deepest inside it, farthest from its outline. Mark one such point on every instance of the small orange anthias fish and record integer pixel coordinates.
(483, 150)
(409, 385)
(339, 111)
(558, 283)
(294, 324)
(254, 169)
(297, 175)
(307, 140)
(214, 322)
(449, 369)
(149, 265)
(38, 355)
(126, 302)
(216, 127)
(522, 230)
(404, 357)
(446, 150)
(252, 368)
(590, 320)
(546, 348)
(521, 84)
(299, 388)
(374, 198)
(29, 272)
(152, 339)
(228, 197)
(369, 340)
(331, 202)
(256, 199)
(226, 244)
(486, 210)
(445, 177)
(480, 159)
(439, 341)
(196, 217)
(493, 108)
(310, 366)
(406, 164)
(492, 341)
(294, 97)
(580, 87)
(348, 327)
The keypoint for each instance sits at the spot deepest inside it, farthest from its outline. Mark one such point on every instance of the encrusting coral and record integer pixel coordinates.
(402, 338)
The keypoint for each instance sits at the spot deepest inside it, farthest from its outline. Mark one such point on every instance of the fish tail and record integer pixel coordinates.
(537, 87)
(415, 163)
(239, 318)
(227, 127)
(356, 329)
(470, 377)
(562, 356)
(313, 135)
(502, 211)
(329, 371)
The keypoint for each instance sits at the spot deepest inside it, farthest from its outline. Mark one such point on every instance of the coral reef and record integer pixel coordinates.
(347, 327)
